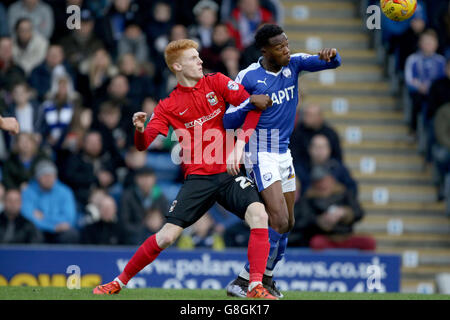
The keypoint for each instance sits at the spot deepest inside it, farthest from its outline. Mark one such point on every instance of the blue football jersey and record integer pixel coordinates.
(277, 122)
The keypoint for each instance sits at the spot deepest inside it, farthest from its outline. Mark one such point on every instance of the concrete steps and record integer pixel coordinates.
(405, 209)
(344, 89)
(380, 147)
(393, 177)
(353, 103)
(389, 162)
(415, 240)
(299, 10)
(398, 193)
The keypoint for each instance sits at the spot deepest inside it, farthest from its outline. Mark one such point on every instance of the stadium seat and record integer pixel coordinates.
(170, 189)
(163, 165)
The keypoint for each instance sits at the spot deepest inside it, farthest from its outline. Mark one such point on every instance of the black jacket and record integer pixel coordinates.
(24, 230)
(310, 206)
(301, 137)
(106, 233)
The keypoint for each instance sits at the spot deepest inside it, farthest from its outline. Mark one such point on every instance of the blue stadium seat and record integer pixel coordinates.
(170, 189)
(163, 165)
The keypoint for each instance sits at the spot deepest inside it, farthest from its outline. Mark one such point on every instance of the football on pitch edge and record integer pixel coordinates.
(398, 10)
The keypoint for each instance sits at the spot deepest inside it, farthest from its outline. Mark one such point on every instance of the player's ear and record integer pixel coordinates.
(177, 67)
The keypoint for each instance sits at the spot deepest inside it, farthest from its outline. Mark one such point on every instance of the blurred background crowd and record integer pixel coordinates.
(73, 175)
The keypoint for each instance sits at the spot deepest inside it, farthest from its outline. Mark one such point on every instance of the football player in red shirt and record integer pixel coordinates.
(195, 109)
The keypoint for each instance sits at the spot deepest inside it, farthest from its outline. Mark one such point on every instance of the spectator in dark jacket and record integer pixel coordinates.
(320, 151)
(134, 160)
(142, 197)
(311, 123)
(107, 230)
(439, 93)
(23, 107)
(10, 72)
(92, 166)
(81, 43)
(41, 76)
(14, 228)
(141, 85)
(20, 165)
(325, 216)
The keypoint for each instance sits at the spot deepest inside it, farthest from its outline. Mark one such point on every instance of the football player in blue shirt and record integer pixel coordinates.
(267, 157)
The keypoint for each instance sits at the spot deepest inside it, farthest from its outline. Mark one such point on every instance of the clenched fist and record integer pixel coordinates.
(261, 101)
(139, 119)
(327, 54)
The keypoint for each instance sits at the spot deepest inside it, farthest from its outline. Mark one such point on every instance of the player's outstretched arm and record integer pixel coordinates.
(325, 59)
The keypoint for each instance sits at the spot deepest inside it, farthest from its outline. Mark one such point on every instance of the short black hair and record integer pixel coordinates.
(266, 32)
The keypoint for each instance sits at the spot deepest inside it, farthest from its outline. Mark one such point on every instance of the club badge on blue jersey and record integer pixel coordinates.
(287, 73)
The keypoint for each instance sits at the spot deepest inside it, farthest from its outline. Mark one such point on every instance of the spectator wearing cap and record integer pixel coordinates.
(205, 12)
(138, 199)
(40, 14)
(80, 43)
(14, 228)
(50, 205)
(29, 47)
(325, 216)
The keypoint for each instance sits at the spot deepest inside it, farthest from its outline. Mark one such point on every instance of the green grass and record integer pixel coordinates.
(52, 293)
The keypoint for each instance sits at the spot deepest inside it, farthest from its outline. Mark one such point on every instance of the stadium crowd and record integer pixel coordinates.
(417, 53)
(73, 174)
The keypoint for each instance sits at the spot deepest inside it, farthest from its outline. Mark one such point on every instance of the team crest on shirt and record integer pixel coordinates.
(212, 98)
(267, 176)
(287, 72)
(232, 85)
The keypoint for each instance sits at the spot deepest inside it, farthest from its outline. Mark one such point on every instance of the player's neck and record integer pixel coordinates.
(271, 67)
(187, 82)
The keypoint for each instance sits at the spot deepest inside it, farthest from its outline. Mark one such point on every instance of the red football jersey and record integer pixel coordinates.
(196, 115)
